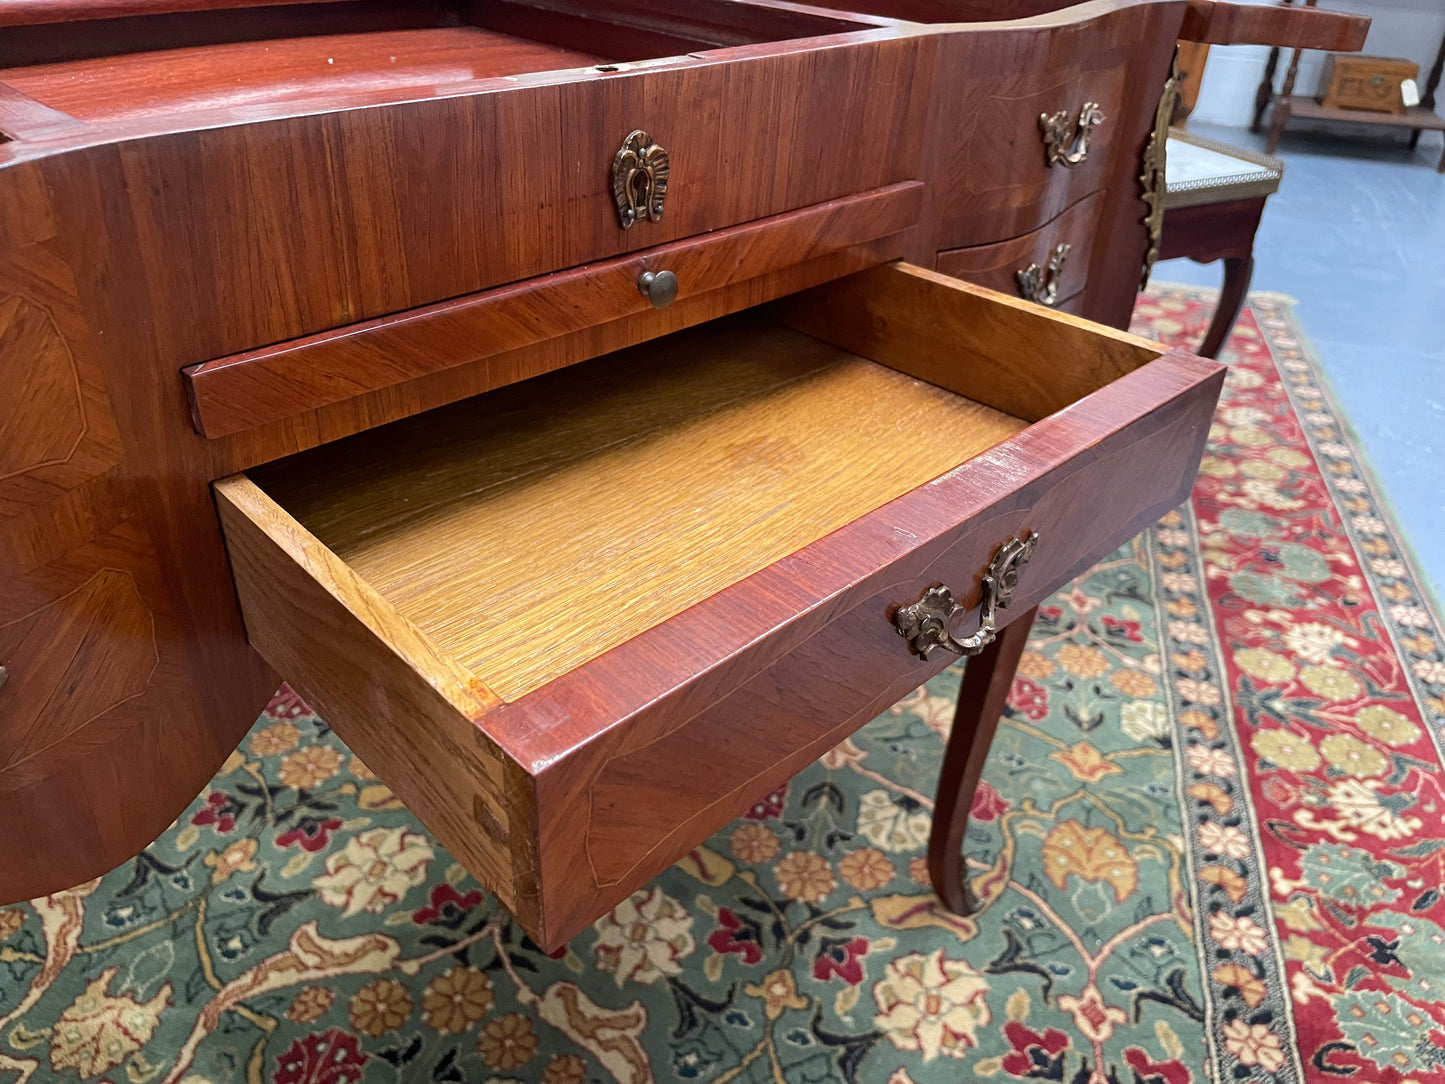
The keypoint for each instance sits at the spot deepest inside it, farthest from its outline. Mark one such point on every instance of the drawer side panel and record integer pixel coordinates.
(343, 649)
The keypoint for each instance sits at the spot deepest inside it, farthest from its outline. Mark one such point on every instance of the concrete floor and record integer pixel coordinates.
(1356, 234)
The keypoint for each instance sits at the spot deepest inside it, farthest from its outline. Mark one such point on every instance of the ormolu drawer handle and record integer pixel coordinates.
(925, 623)
(659, 287)
(639, 179)
(1041, 284)
(1063, 147)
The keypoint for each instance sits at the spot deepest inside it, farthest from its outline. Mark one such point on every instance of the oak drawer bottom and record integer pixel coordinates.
(589, 505)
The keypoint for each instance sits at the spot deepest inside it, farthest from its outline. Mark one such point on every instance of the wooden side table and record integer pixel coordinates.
(1214, 198)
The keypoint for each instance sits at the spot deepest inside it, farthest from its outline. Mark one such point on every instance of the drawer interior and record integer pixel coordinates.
(123, 68)
(607, 497)
(527, 531)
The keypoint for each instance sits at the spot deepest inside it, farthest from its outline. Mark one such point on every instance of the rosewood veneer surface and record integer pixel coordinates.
(247, 73)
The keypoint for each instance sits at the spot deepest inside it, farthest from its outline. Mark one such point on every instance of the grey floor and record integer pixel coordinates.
(1356, 234)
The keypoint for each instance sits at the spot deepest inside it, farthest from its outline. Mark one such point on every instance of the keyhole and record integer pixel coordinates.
(641, 185)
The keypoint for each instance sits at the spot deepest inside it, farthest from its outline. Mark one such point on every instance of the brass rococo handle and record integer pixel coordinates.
(925, 624)
(1041, 284)
(1067, 144)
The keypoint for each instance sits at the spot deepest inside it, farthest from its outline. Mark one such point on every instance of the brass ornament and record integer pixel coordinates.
(1067, 144)
(1152, 177)
(1041, 284)
(639, 179)
(925, 624)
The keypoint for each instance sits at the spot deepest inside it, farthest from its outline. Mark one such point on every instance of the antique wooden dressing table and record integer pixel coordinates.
(258, 261)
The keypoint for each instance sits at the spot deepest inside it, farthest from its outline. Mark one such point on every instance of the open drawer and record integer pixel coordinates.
(581, 622)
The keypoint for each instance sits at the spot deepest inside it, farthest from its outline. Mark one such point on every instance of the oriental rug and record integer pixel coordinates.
(1210, 845)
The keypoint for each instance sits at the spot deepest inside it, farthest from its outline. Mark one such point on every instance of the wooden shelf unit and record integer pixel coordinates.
(1289, 105)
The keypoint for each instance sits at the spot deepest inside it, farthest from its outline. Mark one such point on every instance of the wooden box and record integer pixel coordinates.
(1368, 83)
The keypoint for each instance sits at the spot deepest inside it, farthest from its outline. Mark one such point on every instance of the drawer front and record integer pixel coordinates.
(997, 173)
(283, 228)
(1034, 266)
(258, 387)
(567, 797)
(1002, 176)
(626, 813)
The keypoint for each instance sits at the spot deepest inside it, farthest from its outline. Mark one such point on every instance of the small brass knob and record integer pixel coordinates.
(4, 676)
(659, 287)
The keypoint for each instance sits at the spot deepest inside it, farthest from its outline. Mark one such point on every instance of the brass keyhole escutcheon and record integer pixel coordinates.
(640, 170)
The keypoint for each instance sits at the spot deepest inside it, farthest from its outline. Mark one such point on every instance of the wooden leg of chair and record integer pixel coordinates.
(1238, 270)
(1265, 93)
(986, 682)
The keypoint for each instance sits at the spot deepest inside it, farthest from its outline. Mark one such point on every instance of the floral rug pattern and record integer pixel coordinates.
(1209, 846)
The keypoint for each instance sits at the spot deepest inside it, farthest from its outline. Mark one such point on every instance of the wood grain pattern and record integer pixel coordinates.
(232, 394)
(992, 179)
(624, 29)
(499, 526)
(152, 252)
(1221, 23)
(996, 266)
(29, 12)
(1121, 243)
(22, 117)
(293, 434)
(113, 34)
(37, 368)
(58, 455)
(277, 229)
(984, 345)
(72, 661)
(247, 73)
(392, 695)
(101, 699)
(703, 23)
(111, 556)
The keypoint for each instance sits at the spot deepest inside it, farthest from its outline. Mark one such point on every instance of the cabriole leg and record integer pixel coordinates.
(986, 683)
